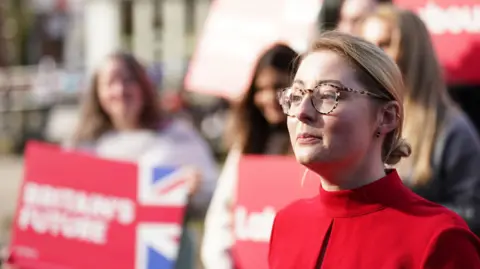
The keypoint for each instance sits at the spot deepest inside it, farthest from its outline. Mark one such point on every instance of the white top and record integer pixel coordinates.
(178, 144)
(218, 236)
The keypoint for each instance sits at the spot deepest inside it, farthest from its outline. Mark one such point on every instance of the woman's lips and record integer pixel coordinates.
(306, 138)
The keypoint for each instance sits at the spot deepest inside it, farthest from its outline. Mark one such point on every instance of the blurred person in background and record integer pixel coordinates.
(345, 115)
(344, 15)
(445, 164)
(258, 127)
(121, 119)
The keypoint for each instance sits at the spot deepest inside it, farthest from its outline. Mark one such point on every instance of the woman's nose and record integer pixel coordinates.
(119, 88)
(305, 111)
(267, 98)
(271, 97)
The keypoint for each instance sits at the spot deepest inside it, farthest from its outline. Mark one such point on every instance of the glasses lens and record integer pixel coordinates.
(284, 100)
(325, 98)
(293, 98)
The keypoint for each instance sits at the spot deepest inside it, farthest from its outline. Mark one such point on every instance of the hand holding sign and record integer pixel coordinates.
(5, 258)
(193, 177)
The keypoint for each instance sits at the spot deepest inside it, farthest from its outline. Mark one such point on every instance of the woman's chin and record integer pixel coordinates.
(306, 158)
(311, 155)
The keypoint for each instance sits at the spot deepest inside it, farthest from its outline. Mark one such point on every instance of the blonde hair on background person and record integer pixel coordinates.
(426, 98)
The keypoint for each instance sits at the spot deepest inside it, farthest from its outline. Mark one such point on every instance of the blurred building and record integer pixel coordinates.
(79, 33)
(161, 33)
(50, 46)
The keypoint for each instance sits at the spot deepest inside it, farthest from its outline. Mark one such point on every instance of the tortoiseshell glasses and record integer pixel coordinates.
(324, 97)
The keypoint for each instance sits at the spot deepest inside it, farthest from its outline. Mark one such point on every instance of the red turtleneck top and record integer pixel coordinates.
(382, 225)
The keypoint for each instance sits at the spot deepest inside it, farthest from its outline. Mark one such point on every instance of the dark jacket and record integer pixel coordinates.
(456, 170)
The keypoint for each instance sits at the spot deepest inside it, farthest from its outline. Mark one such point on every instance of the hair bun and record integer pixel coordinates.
(400, 150)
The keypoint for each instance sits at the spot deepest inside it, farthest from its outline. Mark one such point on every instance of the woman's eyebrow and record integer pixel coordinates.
(298, 81)
(319, 82)
(331, 81)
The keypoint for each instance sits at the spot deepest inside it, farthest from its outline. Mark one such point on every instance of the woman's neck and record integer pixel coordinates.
(348, 181)
(125, 125)
(355, 176)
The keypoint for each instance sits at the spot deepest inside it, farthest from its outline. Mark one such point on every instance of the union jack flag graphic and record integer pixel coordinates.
(93, 196)
(157, 242)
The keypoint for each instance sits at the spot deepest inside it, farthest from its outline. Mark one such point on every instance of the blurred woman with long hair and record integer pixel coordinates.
(257, 127)
(445, 162)
(121, 119)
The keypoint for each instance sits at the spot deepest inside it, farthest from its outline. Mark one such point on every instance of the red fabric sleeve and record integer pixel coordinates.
(453, 248)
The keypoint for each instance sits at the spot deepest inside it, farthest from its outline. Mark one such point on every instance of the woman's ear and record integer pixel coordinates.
(388, 117)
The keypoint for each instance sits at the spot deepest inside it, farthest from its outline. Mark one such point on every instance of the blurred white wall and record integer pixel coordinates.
(169, 45)
(102, 23)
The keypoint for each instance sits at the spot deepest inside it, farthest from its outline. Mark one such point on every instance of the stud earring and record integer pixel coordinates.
(378, 134)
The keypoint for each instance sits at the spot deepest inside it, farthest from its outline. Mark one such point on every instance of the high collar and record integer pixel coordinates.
(375, 196)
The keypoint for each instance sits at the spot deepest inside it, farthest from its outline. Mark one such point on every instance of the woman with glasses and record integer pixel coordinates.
(345, 120)
(444, 166)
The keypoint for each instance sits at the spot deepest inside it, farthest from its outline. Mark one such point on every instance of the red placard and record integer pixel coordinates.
(455, 29)
(265, 185)
(236, 32)
(78, 211)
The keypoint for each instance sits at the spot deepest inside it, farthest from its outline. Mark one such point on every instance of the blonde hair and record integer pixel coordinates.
(379, 74)
(426, 99)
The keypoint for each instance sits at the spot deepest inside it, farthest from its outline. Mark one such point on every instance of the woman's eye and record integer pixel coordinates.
(296, 97)
(328, 95)
(384, 45)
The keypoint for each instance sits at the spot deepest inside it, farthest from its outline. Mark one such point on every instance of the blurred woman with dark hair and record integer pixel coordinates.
(257, 127)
